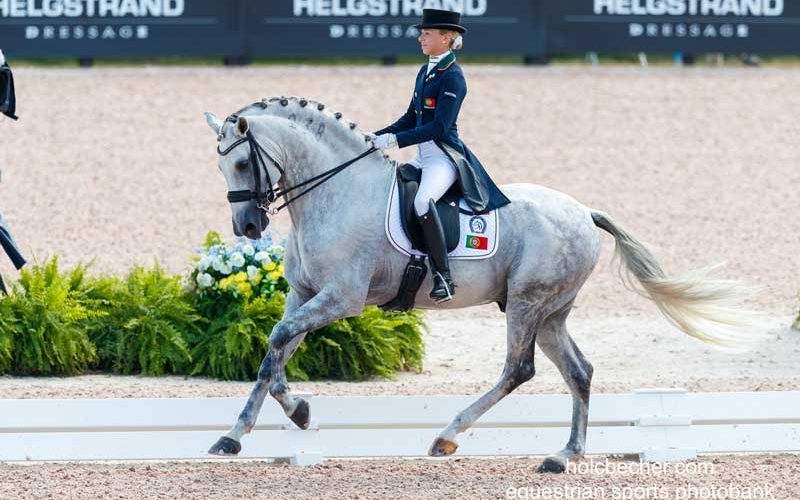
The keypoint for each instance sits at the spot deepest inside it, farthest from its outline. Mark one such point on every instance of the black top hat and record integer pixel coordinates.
(441, 19)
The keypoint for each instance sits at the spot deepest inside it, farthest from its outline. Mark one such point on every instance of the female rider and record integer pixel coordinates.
(430, 123)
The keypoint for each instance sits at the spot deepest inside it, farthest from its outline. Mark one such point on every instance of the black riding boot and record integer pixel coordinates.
(443, 287)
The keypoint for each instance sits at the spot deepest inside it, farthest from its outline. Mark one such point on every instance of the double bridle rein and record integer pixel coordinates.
(263, 197)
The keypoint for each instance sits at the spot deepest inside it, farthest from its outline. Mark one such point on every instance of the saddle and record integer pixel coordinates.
(408, 180)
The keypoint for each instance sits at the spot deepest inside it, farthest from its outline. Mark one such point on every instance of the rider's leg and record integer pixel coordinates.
(437, 177)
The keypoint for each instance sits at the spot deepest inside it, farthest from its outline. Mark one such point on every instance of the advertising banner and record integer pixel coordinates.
(384, 27)
(112, 28)
(698, 26)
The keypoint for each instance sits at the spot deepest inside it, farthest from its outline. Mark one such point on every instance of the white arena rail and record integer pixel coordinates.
(656, 424)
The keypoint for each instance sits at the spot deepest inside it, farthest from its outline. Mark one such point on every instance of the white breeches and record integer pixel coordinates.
(438, 174)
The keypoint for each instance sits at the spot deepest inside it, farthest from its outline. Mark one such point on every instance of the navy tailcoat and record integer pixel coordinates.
(431, 116)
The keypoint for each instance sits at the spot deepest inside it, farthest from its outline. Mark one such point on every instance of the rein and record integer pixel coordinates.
(263, 198)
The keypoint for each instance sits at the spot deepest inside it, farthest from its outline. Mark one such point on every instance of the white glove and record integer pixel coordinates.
(385, 141)
(371, 136)
(2, 58)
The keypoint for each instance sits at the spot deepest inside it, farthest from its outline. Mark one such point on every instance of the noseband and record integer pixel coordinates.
(263, 198)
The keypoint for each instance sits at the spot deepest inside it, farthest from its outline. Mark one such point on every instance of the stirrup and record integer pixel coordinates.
(448, 288)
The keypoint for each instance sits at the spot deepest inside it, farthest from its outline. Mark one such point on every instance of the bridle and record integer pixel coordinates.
(264, 197)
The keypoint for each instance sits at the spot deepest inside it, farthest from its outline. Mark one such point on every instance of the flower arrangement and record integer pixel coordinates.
(244, 270)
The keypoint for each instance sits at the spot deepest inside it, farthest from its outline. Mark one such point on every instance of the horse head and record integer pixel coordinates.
(285, 147)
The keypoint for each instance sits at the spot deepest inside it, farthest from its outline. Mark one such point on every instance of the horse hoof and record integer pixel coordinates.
(442, 448)
(551, 465)
(301, 414)
(225, 446)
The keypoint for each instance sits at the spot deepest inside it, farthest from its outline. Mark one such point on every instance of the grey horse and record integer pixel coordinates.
(338, 260)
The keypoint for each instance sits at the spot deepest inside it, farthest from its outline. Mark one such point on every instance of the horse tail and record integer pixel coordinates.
(703, 307)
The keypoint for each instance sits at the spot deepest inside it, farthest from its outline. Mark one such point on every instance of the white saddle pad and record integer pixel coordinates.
(480, 234)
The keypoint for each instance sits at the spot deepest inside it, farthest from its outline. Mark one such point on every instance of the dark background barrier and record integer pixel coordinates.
(697, 26)
(120, 28)
(288, 28)
(383, 27)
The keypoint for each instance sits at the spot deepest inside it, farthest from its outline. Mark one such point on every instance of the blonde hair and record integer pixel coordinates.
(456, 40)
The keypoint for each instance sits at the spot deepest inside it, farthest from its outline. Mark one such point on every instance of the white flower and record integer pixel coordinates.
(236, 259)
(248, 250)
(204, 280)
(204, 263)
(252, 273)
(261, 256)
(217, 263)
(225, 269)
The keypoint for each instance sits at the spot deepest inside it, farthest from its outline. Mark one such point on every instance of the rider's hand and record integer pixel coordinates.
(385, 141)
(371, 136)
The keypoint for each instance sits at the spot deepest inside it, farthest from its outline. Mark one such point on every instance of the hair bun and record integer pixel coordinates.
(458, 42)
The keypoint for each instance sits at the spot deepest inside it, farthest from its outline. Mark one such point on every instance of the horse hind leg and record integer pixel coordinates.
(521, 321)
(556, 343)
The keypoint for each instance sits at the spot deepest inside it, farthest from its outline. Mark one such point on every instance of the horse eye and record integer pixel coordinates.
(241, 165)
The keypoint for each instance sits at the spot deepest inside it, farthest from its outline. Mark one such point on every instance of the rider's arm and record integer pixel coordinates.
(452, 91)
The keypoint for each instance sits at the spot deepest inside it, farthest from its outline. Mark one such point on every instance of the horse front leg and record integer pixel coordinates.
(327, 306)
(230, 443)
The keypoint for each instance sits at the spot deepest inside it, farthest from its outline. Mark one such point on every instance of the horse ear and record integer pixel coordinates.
(213, 122)
(242, 126)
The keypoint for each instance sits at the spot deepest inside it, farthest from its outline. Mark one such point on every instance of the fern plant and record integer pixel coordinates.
(7, 321)
(236, 342)
(376, 343)
(149, 317)
(43, 332)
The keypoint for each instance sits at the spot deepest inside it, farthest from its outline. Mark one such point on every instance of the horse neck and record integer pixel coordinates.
(353, 189)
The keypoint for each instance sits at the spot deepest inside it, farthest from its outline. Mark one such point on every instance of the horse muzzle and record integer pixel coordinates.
(252, 225)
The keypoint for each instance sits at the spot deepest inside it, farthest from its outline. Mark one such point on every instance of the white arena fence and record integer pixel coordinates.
(657, 424)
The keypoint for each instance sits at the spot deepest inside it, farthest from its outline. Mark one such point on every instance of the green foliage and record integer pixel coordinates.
(42, 327)
(148, 319)
(63, 323)
(6, 335)
(235, 343)
(373, 344)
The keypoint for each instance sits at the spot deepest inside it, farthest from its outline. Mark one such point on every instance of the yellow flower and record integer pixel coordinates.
(270, 266)
(246, 289)
(240, 277)
(274, 275)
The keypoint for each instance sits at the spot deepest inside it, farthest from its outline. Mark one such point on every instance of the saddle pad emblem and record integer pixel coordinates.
(480, 234)
(477, 224)
(430, 103)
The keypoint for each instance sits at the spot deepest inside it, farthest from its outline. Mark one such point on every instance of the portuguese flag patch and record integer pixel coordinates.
(430, 102)
(477, 242)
